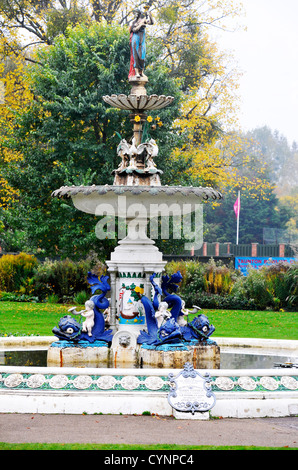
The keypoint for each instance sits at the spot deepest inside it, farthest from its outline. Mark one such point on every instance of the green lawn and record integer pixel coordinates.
(24, 318)
(254, 324)
(119, 447)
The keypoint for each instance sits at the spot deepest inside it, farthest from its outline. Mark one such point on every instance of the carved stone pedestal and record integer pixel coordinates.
(201, 356)
(78, 356)
(206, 356)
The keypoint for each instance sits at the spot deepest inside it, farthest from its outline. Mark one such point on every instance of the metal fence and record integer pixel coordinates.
(249, 249)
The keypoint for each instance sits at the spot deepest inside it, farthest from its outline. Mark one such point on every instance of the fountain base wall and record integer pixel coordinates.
(241, 393)
(202, 356)
(78, 356)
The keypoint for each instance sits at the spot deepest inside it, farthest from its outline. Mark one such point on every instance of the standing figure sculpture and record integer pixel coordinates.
(88, 313)
(138, 44)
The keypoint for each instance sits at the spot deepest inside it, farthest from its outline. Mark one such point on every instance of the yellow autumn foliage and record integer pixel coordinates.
(15, 271)
(15, 96)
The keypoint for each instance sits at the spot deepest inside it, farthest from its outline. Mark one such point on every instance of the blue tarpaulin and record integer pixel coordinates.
(243, 262)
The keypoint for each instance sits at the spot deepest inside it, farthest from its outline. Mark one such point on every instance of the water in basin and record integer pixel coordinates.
(228, 360)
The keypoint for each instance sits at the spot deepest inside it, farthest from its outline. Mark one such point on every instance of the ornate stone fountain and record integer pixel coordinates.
(145, 315)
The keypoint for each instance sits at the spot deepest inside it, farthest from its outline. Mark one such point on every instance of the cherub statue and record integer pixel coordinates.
(132, 155)
(162, 314)
(151, 149)
(107, 314)
(137, 42)
(185, 312)
(88, 313)
(123, 152)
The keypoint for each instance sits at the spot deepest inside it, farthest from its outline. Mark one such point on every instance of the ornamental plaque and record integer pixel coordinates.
(190, 391)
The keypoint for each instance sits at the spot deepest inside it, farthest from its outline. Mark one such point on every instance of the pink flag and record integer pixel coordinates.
(237, 207)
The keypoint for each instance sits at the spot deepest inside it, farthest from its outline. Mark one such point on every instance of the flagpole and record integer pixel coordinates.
(238, 214)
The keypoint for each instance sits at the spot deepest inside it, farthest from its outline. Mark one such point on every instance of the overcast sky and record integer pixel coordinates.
(267, 54)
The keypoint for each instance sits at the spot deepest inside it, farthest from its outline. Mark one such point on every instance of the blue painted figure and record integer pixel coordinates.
(164, 319)
(93, 328)
(198, 329)
(173, 300)
(68, 329)
(165, 331)
(138, 43)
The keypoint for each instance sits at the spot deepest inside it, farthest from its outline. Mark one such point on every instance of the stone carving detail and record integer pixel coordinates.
(36, 381)
(138, 103)
(58, 381)
(224, 383)
(290, 383)
(137, 158)
(247, 383)
(130, 382)
(269, 383)
(106, 382)
(202, 194)
(13, 380)
(82, 382)
(154, 383)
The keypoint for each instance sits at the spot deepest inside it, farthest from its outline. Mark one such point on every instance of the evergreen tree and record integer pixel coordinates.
(69, 136)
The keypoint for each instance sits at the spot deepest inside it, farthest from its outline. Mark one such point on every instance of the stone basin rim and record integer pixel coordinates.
(138, 103)
(200, 192)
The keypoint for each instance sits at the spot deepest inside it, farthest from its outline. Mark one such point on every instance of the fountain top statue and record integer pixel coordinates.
(138, 43)
(137, 167)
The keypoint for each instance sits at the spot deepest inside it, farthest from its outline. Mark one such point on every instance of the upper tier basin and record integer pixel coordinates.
(88, 198)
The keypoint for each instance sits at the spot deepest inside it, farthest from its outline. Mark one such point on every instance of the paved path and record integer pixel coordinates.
(101, 429)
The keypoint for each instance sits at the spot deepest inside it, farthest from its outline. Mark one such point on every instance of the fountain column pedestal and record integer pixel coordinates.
(132, 263)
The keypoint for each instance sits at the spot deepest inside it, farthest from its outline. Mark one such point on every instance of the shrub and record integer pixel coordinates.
(12, 297)
(272, 286)
(214, 285)
(53, 299)
(204, 278)
(257, 289)
(64, 278)
(16, 273)
(219, 301)
(292, 283)
(81, 297)
(219, 278)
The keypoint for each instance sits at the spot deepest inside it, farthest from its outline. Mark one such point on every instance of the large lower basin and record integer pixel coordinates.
(234, 353)
(240, 393)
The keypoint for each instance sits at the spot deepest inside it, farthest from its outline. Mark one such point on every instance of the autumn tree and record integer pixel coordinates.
(69, 136)
(15, 95)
